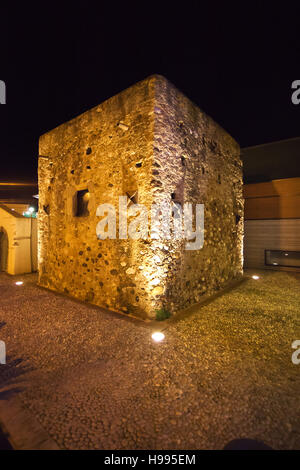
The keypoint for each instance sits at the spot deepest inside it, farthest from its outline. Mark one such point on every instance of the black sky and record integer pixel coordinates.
(58, 61)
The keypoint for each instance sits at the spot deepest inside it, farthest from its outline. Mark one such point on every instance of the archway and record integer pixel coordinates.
(3, 249)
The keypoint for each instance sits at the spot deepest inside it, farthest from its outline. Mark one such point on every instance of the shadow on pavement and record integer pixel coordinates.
(11, 377)
(246, 444)
(4, 443)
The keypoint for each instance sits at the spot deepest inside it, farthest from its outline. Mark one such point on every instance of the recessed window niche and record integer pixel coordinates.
(81, 203)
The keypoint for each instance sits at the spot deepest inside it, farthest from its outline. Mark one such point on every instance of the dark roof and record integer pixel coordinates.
(275, 160)
(18, 192)
(11, 212)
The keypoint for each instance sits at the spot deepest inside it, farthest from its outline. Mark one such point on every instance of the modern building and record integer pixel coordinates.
(272, 207)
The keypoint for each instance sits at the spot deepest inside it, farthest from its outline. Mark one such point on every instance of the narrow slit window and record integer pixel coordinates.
(82, 203)
(133, 197)
(282, 258)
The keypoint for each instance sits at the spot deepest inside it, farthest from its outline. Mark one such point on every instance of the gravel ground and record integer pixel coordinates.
(96, 380)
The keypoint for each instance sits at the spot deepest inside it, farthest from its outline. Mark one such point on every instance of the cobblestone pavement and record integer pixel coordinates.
(96, 380)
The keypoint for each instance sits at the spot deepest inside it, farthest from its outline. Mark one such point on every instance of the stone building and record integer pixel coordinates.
(152, 144)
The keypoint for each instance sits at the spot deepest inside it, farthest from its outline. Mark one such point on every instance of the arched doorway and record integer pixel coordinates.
(3, 249)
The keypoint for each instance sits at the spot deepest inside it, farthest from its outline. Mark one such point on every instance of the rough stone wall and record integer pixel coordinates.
(198, 162)
(151, 141)
(107, 150)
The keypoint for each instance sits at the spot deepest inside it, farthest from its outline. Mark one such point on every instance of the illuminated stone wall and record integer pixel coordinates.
(152, 143)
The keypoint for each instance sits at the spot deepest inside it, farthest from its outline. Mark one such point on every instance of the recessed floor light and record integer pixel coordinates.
(255, 277)
(157, 336)
(19, 283)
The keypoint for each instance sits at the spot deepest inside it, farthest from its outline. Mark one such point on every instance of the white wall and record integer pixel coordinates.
(22, 242)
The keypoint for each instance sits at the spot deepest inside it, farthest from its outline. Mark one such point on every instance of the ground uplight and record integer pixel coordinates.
(158, 336)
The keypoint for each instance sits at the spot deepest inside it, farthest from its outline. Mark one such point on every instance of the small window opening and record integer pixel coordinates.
(133, 197)
(282, 258)
(176, 198)
(47, 209)
(82, 201)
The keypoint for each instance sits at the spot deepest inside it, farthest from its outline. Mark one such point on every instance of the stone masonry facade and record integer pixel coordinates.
(151, 143)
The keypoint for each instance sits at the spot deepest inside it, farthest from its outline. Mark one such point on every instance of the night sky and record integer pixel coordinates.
(59, 61)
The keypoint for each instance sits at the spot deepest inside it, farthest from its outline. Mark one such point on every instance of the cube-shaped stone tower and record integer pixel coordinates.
(152, 144)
